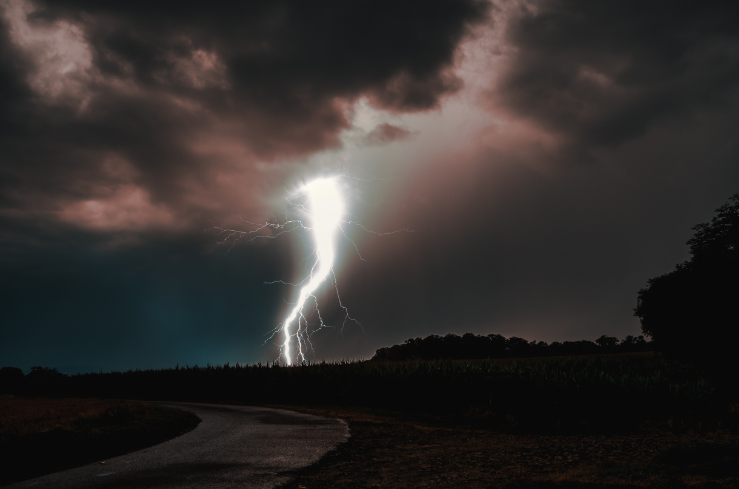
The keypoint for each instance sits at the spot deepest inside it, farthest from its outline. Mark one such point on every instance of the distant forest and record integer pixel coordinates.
(471, 346)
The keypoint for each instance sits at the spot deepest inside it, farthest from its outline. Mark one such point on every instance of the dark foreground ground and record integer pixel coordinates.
(42, 436)
(389, 452)
(39, 436)
(610, 420)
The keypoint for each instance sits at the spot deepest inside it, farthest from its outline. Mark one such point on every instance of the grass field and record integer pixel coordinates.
(41, 436)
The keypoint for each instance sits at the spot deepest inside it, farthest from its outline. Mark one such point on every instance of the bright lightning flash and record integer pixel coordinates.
(326, 208)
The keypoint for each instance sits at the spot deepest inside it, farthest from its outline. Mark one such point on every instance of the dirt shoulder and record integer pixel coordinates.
(396, 453)
(42, 436)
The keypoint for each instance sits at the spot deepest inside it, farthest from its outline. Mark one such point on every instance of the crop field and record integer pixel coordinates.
(610, 420)
(560, 393)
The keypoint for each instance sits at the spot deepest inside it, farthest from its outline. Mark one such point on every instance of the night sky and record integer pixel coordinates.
(549, 156)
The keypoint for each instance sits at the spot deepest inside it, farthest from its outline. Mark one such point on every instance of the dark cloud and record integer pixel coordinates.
(126, 126)
(102, 98)
(601, 73)
(287, 59)
(147, 119)
(507, 242)
(502, 245)
(387, 133)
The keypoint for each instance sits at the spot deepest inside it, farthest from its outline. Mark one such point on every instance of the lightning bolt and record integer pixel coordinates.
(326, 209)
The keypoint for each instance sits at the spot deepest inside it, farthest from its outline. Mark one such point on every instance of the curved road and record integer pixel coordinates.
(233, 446)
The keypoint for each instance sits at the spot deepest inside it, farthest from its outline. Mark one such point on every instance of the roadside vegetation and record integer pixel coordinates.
(42, 436)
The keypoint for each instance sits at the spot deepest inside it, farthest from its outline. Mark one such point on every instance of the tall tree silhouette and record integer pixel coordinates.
(693, 311)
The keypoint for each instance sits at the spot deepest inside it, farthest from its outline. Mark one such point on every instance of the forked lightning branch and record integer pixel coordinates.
(324, 209)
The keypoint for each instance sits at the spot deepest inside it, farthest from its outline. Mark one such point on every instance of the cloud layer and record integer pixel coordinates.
(173, 103)
(550, 156)
(602, 73)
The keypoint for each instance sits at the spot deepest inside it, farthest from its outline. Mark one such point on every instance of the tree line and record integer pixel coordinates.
(470, 346)
(434, 347)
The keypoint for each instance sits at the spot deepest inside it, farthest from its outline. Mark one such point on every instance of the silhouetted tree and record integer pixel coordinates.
(539, 348)
(607, 342)
(692, 311)
(497, 345)
(634, 344)
(471, 346)
(48, 381)
(517, 347)
(629, 341)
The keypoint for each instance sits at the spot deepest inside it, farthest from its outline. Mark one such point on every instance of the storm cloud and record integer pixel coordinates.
(146, 106)
(602, 73)
(549, 156)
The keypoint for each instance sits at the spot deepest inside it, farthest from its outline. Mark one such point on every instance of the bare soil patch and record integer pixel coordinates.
(388, 452)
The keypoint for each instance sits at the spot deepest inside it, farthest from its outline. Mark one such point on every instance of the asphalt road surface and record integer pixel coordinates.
(234, 446)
